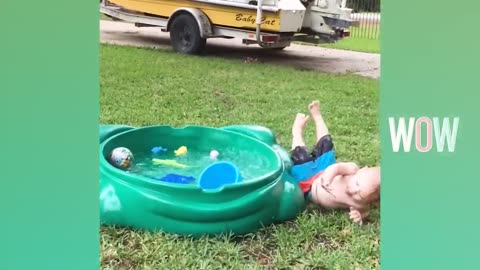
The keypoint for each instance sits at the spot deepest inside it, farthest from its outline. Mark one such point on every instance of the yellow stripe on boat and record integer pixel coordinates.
(218, 14)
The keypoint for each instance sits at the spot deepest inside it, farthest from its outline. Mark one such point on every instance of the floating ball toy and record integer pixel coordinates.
(214, 154)
(121, 158)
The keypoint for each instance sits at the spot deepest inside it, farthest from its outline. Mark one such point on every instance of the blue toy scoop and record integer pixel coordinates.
(219, 174)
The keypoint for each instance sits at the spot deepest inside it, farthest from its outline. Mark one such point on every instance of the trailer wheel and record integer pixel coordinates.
(185, 35)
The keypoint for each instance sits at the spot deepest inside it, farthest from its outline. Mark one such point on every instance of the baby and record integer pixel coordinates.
(325, 182)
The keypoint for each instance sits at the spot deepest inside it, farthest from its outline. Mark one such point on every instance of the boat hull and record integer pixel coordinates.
(287, 19)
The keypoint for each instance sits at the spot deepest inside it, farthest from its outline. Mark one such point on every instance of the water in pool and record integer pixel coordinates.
(251, 165)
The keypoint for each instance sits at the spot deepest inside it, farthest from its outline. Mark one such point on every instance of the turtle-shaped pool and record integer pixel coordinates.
(137, 197)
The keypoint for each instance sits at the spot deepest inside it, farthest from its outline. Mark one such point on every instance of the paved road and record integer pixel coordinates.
(298, 56)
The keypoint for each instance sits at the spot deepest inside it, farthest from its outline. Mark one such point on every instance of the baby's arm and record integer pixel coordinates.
(343, 168)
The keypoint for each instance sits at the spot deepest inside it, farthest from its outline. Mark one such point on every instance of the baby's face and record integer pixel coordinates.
(366, 184)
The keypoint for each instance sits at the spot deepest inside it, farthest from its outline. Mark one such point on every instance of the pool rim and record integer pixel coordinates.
(139, 180)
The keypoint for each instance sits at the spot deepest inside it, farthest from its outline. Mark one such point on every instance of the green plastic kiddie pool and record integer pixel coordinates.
(266, 193)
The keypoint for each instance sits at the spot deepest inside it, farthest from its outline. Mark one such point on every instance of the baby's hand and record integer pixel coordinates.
(345, 168)
(326, 178)
(357, 216)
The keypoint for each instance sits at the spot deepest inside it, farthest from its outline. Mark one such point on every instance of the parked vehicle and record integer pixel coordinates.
(272, 24)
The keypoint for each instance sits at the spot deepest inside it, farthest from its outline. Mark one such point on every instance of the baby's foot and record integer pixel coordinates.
(314, 108)
(299, 123)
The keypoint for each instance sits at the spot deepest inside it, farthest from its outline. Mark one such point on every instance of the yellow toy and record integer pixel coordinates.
(168, 162)
(181, 151)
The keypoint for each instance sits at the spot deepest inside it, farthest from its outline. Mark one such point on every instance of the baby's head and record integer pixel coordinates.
(366, 185)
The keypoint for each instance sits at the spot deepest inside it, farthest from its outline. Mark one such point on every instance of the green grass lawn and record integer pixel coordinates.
(144, 87)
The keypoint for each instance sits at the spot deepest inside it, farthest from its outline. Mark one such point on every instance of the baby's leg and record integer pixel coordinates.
(324, 140)
(320, 126)
(299, 151)
(297, 130)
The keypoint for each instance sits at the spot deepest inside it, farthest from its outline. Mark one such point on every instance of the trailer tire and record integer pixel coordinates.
(185, 35)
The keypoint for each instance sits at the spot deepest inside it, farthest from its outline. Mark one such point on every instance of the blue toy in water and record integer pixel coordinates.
(158, 150)
(176, 178)
(219, 174)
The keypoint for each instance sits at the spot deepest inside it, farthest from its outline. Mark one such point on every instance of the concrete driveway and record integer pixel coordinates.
(297, 56)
